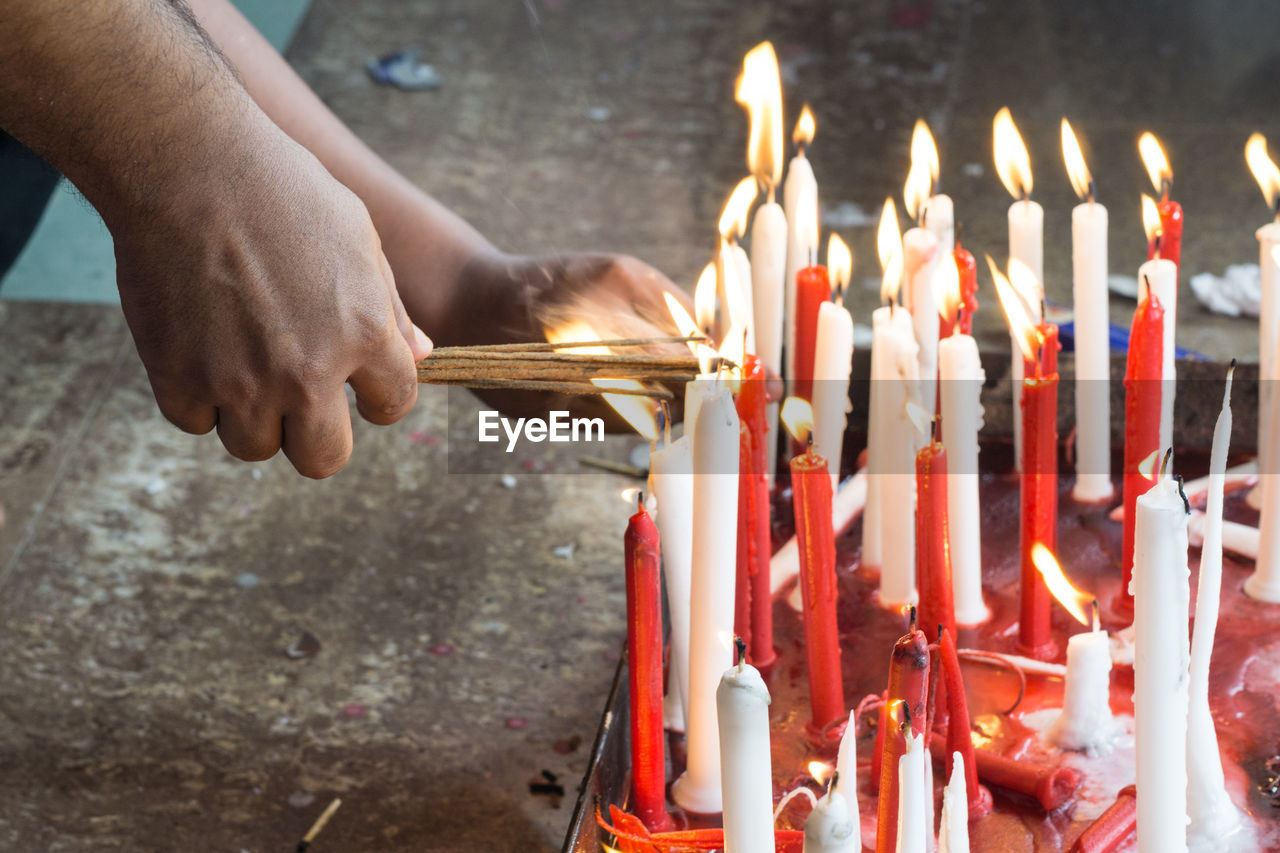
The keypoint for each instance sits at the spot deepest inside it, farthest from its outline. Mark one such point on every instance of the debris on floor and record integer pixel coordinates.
(403, 70)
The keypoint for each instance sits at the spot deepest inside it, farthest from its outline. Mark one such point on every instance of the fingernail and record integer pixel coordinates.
(422, 345)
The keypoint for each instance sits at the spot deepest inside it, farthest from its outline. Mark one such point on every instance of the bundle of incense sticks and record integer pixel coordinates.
(545, 366)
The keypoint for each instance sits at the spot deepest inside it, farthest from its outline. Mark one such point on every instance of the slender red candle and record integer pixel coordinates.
(813, 288)
(1039, 492)
(933, 555)
(958, 735)
(811, 490)
(1052, 785)
(1169, 246)
(644, 671)
(753, 610)
(1113, 827)
(1142, 380)
(908, 681)
(968, 268)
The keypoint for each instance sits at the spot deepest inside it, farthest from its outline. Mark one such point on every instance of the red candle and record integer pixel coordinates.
(753, 611)
(1051, 785)
(958, 736)
(812, 289)
(933, 557)
(1142, 401)
(909, 682)
(644, 671)
(1113, 827)
(1169, 244)
(1039, 492)
(811, 489)
(968, 287)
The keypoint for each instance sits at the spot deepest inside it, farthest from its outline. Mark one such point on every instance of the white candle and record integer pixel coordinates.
(1210, 808)
(830, 828)
(671, 479)
(714, 568)
(1086, 723)
(1093, 353)
(832, 363)
(800, 187)
(846, 781)
(890, 515)
(746, 293)
(940, 218)
(920, 258)
(746, 771)
(1026, 244)
(1264, 583)
(960, 392)
(1161, 593)
(1268, 341)
(768, 294)
(1161, 276)
(911, 796)
(953, 835)
(702, 386)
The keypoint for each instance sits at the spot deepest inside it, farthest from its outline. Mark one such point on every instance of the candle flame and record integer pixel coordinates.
(1076, 601)
(733, 347)
(820, 771)
(759, 89)
(797, 417)
(947, 286)
(1154, 159)
(1263, 167)
(1026, 285)
(638, 411)
(839, 261)
(806, 127)
(1021, 326)
(704, 299)
(733, 219)
(1149, 467)
(920, 418)
(923, 172)
(631, 494)
(1013, 163)
(1077, 169)
(889, 248)
(1151, 218)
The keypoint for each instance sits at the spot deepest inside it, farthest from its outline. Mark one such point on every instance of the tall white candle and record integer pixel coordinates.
(714, 567)
(940, 218)
(702, 386)
(912, 827)
(1211, 811)
(846, 781)
(1264, 583)
(768, 293)
(746, 293)
(671, 478)
(891, 460)
(960, 392)
(1093, 353)
(1161, 593)
(1086, 723)
(1026, 244)
(832, 364)
(1268, 343)
(830, 828)
(801, 187)
(746, 771)
(1161, 276)
(920, 257)
(953, 834)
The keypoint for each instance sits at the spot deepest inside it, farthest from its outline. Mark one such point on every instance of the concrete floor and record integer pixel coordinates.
(151, 585)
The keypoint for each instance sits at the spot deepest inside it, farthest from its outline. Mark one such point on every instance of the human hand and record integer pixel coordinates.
(258, 294)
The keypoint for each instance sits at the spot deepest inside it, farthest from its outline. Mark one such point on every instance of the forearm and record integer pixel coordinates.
(125, 97)
(401, 212)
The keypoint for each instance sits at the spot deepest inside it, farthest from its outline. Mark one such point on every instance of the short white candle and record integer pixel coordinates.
(1085, 722)
(671, 478)
(1161, 277)
(846, 781)
(891, 458)
(768, 294)
(953, 835)
(1093, 353)
(960, 393)
(1161, 593)
(920, 258)
(832, 364)
(714, 570)
(1212, 813)
(912, 827)
(746, 771)
(830, 828)
(801, 187)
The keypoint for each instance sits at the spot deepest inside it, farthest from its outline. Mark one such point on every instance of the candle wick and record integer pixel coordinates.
(1093, 188)
(1275, 207)
(740, 645)
(1226, 393)
(905, 725)
(1164, 462)
(639, 499)
(1097, 620)
(933, 429)
(665, 411)
(1166, 184)
(924, 215)
(911, 613)
(833, 782)
(772, 190)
